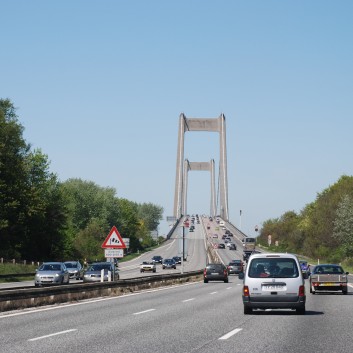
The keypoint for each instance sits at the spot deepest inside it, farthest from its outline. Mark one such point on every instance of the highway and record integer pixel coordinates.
(194, 318)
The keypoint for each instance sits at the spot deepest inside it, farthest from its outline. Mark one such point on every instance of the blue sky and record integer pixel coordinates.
(100, 85)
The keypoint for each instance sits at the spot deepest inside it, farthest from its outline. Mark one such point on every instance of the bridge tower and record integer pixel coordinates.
(200, 124)
(200, 166)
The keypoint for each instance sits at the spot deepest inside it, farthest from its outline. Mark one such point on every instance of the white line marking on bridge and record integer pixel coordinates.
(188, 300)
(51, 335)
(213, 293)
(229, 288)
(230, 334)
(144, 312)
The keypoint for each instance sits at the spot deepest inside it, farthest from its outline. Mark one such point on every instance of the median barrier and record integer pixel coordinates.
(32, 297)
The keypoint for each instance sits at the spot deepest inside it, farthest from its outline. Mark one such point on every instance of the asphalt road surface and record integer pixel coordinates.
(196, 317)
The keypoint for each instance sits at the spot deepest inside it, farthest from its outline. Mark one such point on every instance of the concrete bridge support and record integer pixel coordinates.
(182, 167)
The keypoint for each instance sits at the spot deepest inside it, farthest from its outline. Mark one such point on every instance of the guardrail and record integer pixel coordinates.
(21, 298)
(17, 275)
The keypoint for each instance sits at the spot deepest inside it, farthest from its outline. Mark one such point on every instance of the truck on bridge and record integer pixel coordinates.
(249, 247)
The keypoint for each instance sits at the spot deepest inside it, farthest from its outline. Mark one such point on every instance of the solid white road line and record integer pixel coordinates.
(230, 334)
(51, 335)
(188, 300)
(143, 312)
(213, 293)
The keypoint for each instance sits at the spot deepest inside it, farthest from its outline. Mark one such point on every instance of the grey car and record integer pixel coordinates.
(93, 272)
(215, 272)
(51, 273)
(75, 269)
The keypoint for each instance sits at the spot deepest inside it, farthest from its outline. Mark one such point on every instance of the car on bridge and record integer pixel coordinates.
(157, 259)
(94, 272)
(327, 278)
(215, 272)
(75, 269)
(51, 273)
(177, 259)
(148, 266)
(235, 267)
(168, 263)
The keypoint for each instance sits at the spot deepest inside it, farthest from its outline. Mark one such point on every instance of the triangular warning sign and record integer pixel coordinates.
(113, 240)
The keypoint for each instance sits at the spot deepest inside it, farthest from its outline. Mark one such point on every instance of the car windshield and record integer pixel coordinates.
(71, 264)
(50, 267)
(328, 269)
(273, 268)
(235, 263)
(99, 267)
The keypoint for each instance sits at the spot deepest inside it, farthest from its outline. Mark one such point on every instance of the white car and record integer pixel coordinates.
(273, 281)
(148, 266)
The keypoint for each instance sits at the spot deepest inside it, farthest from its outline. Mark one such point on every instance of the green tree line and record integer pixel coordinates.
(42, 218)
(322, 229)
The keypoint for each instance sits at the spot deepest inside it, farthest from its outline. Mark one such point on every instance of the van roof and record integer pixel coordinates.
(274, 255)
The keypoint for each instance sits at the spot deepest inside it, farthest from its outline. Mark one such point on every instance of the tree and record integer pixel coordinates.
(150, 214)
(343, 225)
(13, 180)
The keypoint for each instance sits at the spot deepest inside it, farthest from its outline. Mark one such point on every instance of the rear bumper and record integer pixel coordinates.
(274, 302)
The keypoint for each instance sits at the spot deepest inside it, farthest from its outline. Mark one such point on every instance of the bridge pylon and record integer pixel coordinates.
(182, 167)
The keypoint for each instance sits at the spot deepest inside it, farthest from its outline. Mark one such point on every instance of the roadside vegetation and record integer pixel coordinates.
(322, 230)
(43, 218)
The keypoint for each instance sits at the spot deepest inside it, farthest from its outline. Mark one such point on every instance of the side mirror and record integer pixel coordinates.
(241, 275)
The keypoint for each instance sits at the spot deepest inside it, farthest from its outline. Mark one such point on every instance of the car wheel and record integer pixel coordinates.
(226, 280)
(247, 310)
(301, 311)
(205, 280)
(141, 271)
(344, 291)
(154, 271)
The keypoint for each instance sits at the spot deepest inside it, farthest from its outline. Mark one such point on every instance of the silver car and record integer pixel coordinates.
(75, 269)
(51, 273)
(94, 272)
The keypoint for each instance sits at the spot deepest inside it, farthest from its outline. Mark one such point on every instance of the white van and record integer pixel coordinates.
(273, 281)
(221, 223)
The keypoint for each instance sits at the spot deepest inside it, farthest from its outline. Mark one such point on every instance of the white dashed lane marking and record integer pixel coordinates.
(230, 334)
(51, 335)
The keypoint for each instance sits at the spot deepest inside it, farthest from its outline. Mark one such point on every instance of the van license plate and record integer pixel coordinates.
(273, 287)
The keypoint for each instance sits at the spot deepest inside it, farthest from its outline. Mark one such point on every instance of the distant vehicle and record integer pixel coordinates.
(281, 289)
(51, 273)
(94, 272)
(177, 259)
(215, 236)
(305, 268)
(148, 266)
(157, 259)
(235, 267)
(221, 246)
(75, 269)
(249, 244)
(328, 277)
(221, 223)
(215, 272)
(168, 263)
(232, 246)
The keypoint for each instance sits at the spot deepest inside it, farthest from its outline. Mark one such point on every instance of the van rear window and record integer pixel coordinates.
(273, 268)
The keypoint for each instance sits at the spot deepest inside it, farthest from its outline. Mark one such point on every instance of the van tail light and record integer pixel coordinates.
(246, 291)
(225, 272)
(204, 272)
(301, 291)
